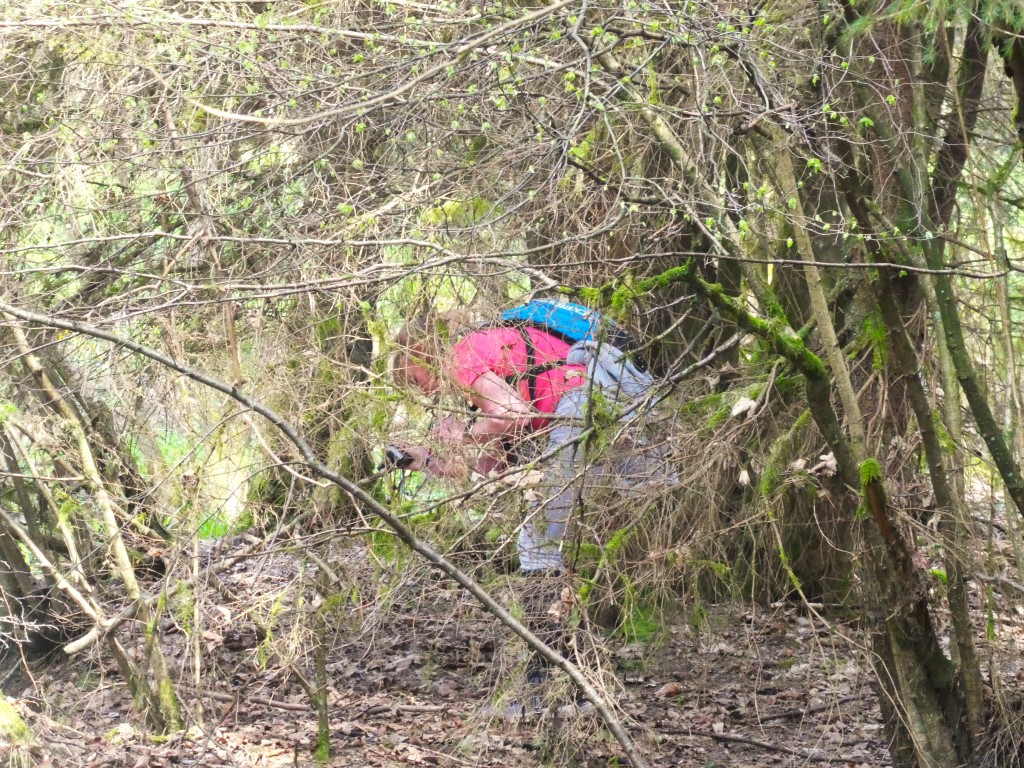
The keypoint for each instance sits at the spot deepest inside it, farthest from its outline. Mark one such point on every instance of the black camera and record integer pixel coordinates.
(396, 458)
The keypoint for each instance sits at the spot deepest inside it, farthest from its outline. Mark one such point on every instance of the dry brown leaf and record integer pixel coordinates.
(668, 690)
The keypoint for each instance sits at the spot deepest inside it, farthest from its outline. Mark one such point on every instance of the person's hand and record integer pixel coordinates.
(450, 430)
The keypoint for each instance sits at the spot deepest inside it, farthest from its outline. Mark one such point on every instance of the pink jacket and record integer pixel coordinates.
(503, 351)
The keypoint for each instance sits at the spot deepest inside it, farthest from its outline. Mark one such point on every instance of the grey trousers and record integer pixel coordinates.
(628, 472)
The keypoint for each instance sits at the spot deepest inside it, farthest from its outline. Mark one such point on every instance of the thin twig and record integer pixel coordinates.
(1001, 580)
(804, 711)
(288, 705)
(805, 754)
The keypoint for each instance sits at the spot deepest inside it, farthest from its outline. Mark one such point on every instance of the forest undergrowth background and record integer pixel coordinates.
(214, 219)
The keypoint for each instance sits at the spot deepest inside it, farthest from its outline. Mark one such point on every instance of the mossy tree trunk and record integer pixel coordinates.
(920, 683)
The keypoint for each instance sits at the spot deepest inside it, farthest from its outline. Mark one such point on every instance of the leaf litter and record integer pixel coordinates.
(760, 686)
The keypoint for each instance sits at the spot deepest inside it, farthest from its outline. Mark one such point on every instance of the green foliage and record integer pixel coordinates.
(432, 200)
(329, 331)
(267, 488)
(583, 149)
(458, 213)
(213, 526)
(996, 12)
(69, 507)
(7, 411)
(415, 295)
(174, 446)
(138, 459)
(244, 522)
(385, 548)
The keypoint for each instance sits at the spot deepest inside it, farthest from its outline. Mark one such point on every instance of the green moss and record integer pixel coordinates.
(787, 385)
(781, 453)
(697, 616)
(873, 332)
(640, 624)
(703, 404)
(770, 479)
(588, 551)
(154, 621)
(334, 603)
(329, 374)
(183, 606)
(12, 728)
(946, 442)
(267, 488)
(713, 410)
(592, 297)
(791, 575)
(617, 542)
(169, 706)
(717, 419)
(244, 522)
(603, 411)
(323, 750)
(624, 295)
(802, 420)
(493, 535)
(69, 506)
(870, 471)
(783, 339)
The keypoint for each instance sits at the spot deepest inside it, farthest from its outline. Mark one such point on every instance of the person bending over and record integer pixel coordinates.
(517, 379)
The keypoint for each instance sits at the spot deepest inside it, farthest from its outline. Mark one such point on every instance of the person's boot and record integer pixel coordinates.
(534, 683)
(540, 591)
(529, 707)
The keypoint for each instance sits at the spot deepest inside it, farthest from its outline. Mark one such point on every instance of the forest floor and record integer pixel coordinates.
(753, 686)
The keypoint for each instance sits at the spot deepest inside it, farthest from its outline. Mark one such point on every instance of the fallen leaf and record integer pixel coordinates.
(668, 690)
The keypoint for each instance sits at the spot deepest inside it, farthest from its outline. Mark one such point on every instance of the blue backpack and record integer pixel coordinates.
(574, 324)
